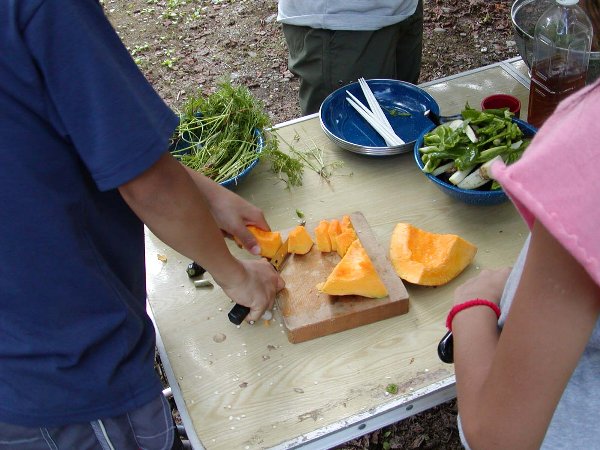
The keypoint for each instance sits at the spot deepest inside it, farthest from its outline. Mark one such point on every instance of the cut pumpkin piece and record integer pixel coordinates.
(322, 236)
(428, 259)
(299, 241)
(333, 231)
(344, 240)
(354, 275)
(346, 223)
(269, 241)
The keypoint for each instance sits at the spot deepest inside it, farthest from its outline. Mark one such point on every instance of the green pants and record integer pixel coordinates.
(325, 60)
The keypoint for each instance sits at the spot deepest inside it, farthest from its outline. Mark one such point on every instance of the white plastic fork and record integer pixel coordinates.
(390, 138)
(376, 107)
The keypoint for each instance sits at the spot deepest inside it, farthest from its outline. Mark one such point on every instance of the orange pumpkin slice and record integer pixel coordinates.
(333, 231)
(299, 241)
(269, 241)
(354, 275)
(428, 259)
(322, 236)
(344, 240)
(346, 223)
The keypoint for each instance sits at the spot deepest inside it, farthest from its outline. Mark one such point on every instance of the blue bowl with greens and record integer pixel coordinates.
(189, 144)
(451, 159)
(260, 143)
(220, 134)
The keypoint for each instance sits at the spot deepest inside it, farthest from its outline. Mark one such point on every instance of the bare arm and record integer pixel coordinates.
(168, 201)
(509, 385)
(231, 212)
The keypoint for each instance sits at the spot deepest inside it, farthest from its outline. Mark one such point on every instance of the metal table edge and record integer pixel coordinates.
(506, 65)
(375, 418)
(177, 395)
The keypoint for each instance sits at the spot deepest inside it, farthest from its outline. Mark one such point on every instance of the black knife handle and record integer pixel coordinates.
(238, 313)
(446, 348)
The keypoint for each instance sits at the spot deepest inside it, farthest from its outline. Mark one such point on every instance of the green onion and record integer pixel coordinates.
(461, 149)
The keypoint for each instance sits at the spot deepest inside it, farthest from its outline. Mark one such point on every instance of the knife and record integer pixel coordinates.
(239, 312)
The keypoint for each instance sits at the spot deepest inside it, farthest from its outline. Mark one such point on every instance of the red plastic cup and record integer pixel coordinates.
(497, 101)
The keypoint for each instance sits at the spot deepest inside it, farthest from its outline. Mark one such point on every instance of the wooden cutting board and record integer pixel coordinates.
(308, 313)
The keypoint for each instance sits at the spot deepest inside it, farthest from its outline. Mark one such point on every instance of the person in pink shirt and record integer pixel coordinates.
(527, 340)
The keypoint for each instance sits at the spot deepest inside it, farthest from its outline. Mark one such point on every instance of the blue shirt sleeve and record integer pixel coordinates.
(98, 98)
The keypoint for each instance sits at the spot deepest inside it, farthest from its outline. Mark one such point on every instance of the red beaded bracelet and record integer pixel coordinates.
(475, 302)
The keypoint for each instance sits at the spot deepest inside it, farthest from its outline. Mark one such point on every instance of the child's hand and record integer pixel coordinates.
(232, 213)
(256, 287)
(488, 285)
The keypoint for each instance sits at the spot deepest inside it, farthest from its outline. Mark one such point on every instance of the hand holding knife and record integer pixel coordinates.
(239, 312)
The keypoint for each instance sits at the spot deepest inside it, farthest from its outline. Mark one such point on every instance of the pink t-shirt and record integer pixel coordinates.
(557, 180)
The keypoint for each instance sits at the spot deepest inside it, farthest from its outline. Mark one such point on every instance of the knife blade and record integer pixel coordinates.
(239, 312)
(280, 256)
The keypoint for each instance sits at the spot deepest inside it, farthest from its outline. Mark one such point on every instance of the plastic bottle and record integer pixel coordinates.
(561, 53)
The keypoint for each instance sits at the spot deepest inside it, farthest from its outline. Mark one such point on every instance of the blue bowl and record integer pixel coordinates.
(404, 104)
(231, 182)
(470, 196)
(260, 143)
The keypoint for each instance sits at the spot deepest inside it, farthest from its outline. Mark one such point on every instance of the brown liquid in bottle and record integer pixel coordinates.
(551, 82)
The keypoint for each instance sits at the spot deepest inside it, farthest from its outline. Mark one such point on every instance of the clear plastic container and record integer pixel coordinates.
(561, 53)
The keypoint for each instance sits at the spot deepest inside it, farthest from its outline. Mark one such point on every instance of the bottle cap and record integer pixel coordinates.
(567, 2)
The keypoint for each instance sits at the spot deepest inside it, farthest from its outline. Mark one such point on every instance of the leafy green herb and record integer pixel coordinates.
(286, 167)
(392, 388)
(398, 112)
(218, 136)
(300, 214)
(313, 158)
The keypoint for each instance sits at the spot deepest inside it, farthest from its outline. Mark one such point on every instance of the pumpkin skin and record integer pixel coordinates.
(269, 241)
(428, 259)
(299, 241)
(322, 236)
(354, 275)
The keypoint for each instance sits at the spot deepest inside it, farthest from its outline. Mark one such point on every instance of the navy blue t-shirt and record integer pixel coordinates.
(77, 120)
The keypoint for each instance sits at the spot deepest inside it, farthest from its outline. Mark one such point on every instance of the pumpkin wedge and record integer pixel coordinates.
(346, 223)
(299, 241)
(428, 259)
(322, 236)
(269, 241)
(333, 231)
(344, 240)
(354, 275)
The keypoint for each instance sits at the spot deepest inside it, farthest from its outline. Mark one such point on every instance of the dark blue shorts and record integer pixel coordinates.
(150, 427)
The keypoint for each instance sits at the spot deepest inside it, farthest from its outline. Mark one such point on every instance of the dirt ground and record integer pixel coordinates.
(184, 45)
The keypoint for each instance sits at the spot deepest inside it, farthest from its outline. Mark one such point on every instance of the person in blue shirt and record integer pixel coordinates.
(84, 165)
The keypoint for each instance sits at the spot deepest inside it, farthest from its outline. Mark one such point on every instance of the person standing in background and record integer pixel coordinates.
(332, 43)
